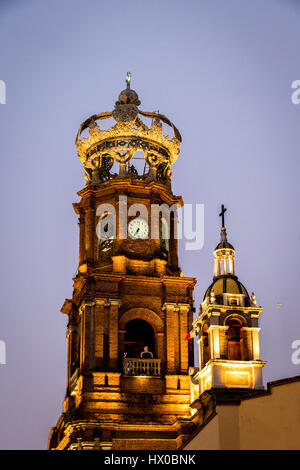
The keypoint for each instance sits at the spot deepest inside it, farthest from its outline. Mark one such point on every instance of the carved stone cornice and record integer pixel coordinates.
(176, 306)
(107, 302)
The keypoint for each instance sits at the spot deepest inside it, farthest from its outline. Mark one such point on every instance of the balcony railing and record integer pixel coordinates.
(135, 366)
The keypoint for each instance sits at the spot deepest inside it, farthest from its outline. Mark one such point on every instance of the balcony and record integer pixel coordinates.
(133, 366)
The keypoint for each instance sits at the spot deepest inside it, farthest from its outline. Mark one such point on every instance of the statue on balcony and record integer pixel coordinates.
(146, 354)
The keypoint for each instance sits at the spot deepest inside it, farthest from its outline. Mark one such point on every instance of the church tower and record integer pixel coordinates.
(128, 384)
(227, 325)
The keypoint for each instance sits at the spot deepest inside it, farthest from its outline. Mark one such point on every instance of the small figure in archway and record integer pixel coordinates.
(146, 354)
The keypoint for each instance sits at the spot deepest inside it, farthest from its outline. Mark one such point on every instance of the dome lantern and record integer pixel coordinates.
(224, 252)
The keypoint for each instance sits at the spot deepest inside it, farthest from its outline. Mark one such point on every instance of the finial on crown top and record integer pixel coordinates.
(128, 78)
(126, 108)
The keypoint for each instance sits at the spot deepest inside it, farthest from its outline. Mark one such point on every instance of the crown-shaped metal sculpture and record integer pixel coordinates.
(119, 143)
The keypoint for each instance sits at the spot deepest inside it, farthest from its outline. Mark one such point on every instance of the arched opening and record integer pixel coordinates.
(139, 334)
(235, 339)
(137, 166)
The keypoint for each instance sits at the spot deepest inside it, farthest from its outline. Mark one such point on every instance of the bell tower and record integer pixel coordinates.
(227, 325)
(127, 371)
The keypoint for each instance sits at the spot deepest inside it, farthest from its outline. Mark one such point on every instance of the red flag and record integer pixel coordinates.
(192, 333)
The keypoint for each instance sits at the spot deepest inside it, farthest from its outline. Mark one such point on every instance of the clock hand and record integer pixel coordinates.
(137, 231)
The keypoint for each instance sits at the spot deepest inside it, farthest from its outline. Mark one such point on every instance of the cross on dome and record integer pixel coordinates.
(222, 214)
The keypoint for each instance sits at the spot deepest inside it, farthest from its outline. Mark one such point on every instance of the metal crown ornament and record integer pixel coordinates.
(119, 143)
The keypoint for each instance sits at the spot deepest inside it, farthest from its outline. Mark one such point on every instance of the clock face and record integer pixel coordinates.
(138, 228)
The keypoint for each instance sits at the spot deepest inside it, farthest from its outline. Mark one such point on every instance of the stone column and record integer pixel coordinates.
(225, 264)
(231, 265)
(217, 266)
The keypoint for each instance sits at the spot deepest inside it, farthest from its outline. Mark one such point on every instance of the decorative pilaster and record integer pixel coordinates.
(160, 346)
(170, 340)
(176, 331)
(184, 351)
(113, 336)
(99, 333)
(72, 336)
(81, 239)
(214, 341)
(255, 343)
(69, 361)
(90, 232)
(88, 335)
(106, 340)
(173, 241)
(176, 334)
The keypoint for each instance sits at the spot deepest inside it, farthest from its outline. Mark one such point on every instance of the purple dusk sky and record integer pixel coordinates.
(222, 72)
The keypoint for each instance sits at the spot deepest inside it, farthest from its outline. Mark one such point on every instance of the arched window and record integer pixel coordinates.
(235, 339)
(139, 334)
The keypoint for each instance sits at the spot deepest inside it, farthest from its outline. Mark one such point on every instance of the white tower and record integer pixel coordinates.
(229, 352)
